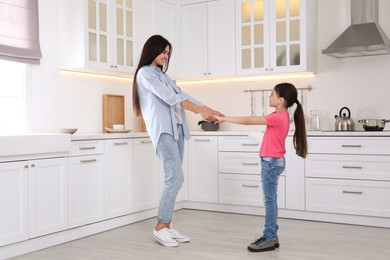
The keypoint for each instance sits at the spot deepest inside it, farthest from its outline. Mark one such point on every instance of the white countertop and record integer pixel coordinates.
(95, 136)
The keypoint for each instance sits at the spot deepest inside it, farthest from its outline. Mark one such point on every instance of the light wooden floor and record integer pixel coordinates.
(225, 236)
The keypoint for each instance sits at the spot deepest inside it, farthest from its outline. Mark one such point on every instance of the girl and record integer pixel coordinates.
(272, 152)
(162, 105)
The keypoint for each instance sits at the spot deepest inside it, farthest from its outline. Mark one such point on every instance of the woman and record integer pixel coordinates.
(162, 103)
(272, 152)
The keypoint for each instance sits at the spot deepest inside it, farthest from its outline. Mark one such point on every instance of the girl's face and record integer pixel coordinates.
(275, 100)
(162, 58)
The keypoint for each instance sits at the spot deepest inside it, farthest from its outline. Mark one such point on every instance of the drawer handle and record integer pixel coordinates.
(202, 140)
(255, 164)
(87, 148)
(146, 142)
(87, 161)
(122, 143)
(352, 167)
(249, 186)
(250, 144)
(353, 192)
(352, 145)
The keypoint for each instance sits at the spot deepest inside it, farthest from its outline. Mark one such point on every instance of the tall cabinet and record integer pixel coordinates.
(96, 36)
(208, 38)
(275, 36)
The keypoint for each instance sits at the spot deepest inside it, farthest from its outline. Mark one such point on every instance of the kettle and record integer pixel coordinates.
(344, 122)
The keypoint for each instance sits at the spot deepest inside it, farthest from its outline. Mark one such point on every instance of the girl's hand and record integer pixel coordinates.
(220, 119)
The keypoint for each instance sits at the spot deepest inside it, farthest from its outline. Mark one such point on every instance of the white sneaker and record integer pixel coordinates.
(177, 236)
(164, 237)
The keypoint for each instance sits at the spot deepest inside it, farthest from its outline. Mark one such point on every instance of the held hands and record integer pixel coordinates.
(209, 114)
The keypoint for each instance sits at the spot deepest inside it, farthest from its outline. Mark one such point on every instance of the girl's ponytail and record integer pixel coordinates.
(299, 139)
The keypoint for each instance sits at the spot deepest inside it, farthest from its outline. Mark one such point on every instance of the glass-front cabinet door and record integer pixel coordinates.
(275, 36)
(110, 34)
(252, 37)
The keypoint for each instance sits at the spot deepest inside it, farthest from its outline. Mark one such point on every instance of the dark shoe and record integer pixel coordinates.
(260, 245)
(276, 242)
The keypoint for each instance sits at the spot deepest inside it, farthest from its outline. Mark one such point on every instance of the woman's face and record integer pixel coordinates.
(162, 58)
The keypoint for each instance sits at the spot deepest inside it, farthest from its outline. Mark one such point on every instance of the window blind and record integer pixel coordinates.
(19, 31)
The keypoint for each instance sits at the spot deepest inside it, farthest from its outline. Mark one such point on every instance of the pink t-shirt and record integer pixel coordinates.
(273, 144)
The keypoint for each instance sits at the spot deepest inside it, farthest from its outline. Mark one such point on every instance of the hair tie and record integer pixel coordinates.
(297, 102)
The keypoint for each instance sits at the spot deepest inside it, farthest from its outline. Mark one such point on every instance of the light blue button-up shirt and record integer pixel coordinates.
(158, 96)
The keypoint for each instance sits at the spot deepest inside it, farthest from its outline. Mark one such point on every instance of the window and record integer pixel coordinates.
(12, 98)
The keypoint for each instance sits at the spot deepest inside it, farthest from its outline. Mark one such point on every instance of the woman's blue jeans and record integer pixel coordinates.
(170, 152)
(271, 168)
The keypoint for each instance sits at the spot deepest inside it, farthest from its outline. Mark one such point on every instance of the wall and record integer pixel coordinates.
(74, 100)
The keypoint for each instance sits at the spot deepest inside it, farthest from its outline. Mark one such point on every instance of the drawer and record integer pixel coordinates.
(362, 167)
(240, 189)
(369, 198)
(349, 145)
(233, 162)
(238, 144)
(78, 148)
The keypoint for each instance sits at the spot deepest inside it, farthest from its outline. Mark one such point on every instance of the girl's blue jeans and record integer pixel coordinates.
(271, 168)
(170, 152)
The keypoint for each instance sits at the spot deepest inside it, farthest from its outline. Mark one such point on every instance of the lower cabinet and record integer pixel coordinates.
(203, 169)
(148, 175)
(13, 202)
(246, 190)
(48, 196)
(119, 177)
(86, 182)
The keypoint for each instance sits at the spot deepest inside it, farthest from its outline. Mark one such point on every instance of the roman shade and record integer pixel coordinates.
(19, 31)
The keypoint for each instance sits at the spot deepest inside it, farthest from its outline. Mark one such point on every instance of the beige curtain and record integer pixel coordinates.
(19, 31)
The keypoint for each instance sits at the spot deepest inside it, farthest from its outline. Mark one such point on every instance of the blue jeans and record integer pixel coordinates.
(170, 153)
(271, 168)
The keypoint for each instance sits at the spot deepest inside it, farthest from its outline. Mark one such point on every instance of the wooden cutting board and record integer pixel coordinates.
(113, 111)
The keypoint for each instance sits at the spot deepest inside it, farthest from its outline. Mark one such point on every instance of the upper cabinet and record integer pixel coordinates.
(156, 17)
(96, 36)
(275, 36)
(207, 38)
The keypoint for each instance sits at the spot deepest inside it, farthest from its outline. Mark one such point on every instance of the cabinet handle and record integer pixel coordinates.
(146, 142)
(87, 148)
(353, 192)
(87, 161)
(32, 165)
(250, 144)
(204, 73)
(202, 140)
(26, 166)
(209, 73)
(255, 164)
(249, 186)
(351, 145)
(352, 167)
(122, 143)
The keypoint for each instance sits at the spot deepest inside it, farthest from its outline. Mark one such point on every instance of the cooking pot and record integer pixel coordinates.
(344, 122)
(208, 126)
(373, 124)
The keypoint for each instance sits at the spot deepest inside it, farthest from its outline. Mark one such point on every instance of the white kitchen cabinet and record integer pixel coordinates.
(86, 182)
(352, 172)
(148, 175)
(119, 177)
(13, 202)
(208, 39)
(48, 196)
(275, 36)
(295, 178)
(96, 36)
(239, 170)
(203, 169)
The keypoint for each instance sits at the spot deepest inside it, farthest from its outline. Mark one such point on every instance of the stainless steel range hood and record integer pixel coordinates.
(364, 37)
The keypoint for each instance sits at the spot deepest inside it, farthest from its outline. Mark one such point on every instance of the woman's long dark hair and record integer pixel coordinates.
(153, 47)
(290, 95)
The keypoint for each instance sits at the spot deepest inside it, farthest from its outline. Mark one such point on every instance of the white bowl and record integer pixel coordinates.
(66, 130)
